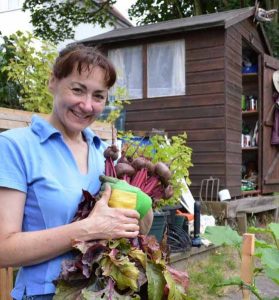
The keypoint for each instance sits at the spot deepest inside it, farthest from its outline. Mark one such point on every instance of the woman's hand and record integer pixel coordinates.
(105, 222)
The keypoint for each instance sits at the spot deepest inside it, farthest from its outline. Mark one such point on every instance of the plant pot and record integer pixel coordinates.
(171, 219)
(159, 225)
(179, 221)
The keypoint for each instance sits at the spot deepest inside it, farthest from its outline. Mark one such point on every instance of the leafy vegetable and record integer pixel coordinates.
(118, 269)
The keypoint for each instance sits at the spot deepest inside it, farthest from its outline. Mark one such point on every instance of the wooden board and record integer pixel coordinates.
(12, 118)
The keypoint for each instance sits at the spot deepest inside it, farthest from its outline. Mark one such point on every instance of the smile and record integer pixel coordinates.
(80, 116)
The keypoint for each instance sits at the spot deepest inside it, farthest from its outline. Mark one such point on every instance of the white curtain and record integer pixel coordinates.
(128, 63)
(166, 69)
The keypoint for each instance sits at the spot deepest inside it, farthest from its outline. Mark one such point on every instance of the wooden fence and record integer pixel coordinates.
(11, 118)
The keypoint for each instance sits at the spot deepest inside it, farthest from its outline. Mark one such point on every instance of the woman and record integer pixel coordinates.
(46, 166)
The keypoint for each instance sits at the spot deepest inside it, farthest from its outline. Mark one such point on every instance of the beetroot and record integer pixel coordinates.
(124, 169)
(163, 171)
(139, 163)
(111, 152)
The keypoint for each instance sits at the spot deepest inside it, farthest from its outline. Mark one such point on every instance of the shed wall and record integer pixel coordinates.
(201, 112)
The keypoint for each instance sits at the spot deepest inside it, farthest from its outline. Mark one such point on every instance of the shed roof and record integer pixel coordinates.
(224, 19)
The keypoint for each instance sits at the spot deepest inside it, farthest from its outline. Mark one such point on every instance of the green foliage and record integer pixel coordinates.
(175, 153)
(118, 270)
(268, 253)
(55, 20)
(223, 235)
(9, 89)
(120, 99)
(30, 69)
(148, 12)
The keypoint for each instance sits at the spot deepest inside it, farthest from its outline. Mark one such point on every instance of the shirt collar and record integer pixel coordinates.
(45, 130)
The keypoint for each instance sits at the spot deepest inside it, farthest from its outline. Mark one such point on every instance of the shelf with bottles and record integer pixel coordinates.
(249, 105)
(249, 136)
(249, 171)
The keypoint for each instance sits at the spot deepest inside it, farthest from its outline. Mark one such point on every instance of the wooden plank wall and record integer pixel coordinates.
(12, 118)
(233, 57)
(201, 112)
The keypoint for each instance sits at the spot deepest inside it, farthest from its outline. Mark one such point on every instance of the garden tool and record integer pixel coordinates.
(196, 240)
(124, 195)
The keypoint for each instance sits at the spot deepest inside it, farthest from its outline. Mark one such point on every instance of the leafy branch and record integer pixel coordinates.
(55, 20)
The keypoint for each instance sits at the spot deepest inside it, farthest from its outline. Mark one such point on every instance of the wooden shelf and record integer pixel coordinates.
(250, 112)
(249, 74)
(249, 148)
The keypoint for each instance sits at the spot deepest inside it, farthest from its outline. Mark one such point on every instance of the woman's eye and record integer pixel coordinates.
(77, 90)
(99, 97)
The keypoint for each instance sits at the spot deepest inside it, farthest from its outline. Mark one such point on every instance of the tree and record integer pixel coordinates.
(153, 11)
(30, 68)
(9, 89)
(55, 20)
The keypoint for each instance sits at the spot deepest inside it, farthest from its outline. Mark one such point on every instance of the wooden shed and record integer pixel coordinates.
(199, 75)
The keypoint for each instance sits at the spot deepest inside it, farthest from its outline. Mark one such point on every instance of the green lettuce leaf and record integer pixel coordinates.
(124, 272)
(156, 281)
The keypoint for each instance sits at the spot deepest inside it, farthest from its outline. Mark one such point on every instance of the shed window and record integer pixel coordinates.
(166, 68)
(128, 63)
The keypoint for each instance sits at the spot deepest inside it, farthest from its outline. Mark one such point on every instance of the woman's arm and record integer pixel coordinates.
(146, 222)
(19, 248)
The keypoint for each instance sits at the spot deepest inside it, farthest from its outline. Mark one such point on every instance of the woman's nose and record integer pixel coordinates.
(87, 104)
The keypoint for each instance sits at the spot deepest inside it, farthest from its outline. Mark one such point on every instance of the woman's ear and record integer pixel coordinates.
(51, 82)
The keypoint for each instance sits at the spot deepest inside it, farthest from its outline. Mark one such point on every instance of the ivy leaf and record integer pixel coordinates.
(222, 235)
(156, 281)
(124, 272)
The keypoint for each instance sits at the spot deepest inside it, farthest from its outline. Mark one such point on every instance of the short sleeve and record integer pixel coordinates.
(12, 168)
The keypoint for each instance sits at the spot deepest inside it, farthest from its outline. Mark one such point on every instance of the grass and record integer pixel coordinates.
(206, 273)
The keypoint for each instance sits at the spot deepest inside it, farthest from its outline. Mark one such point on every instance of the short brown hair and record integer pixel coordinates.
(84, 57)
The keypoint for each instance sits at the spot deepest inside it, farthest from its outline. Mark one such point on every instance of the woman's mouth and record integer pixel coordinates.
(80, 115)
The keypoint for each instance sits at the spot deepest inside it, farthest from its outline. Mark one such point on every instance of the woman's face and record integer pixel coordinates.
(78, 99)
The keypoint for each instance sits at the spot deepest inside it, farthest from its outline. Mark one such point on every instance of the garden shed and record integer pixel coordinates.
(208, 75)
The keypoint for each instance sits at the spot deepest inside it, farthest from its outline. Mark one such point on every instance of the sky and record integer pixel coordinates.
(123, 6)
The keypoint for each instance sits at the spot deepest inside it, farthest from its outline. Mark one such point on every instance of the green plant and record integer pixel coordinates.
(120, 99)
(176, 154)
(266, 250)
(30, 69)
(9, 89)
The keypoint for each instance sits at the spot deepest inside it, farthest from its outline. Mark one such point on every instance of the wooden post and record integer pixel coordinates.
(247, 263)
(6, 283)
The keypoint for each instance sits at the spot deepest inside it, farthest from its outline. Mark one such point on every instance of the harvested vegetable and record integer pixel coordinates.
(118, 269)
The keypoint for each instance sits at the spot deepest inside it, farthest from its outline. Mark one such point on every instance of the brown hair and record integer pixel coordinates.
(84, 58)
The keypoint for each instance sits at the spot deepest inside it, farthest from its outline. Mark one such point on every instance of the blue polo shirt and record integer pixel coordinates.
(36, 161)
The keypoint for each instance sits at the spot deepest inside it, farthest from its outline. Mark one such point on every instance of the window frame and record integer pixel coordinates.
(144, 46)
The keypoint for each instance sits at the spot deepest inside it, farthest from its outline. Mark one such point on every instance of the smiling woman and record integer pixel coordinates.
(46, 167)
